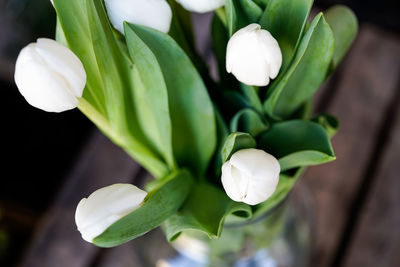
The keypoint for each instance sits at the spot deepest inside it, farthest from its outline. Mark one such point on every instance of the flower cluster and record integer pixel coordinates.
(234, 146)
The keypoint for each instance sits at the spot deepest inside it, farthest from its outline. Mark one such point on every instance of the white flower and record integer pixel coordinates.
(50, 76)
(253, 56)
(156, 14)
(250, 176)
(105, 206)
(201, 6)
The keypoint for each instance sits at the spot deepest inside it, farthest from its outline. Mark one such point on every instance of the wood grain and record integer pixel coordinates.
(56, 241)
(376, 241)
(364, 92)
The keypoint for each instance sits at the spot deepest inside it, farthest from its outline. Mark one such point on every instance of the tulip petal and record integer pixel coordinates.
(155, 14)
(253, 56)
(106, 206)
(61, 60)
(41, 86)
(201, 6)
(159, 205)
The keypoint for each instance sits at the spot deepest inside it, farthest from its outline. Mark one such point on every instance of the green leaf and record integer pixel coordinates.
(204, 210)
(150, 96)
(73, 30)
(249, 121)
(286, 20)
(252, 11)
(234, 17)
(222, 134)
(261, 3)
(329, 122)
(250, 93)
(110, 63)
(191, 110)
(102, 79)
(235, 142)
(240, 13)
(306, 73)
(297, 143)
(344, 25)
(158, 206)
(87, 96)
(116, 72)
(231, 17)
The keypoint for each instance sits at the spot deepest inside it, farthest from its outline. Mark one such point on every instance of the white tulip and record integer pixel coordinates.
(201, 6)
(156, 14)
(50, 76)
(105, 206)
(253, 56)
(250, 176)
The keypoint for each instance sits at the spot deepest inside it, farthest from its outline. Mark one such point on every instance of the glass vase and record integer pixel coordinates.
(279, 238)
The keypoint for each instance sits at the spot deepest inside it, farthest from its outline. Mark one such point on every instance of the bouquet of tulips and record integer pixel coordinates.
(231, 147)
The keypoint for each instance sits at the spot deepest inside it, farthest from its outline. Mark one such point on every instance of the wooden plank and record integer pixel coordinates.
(56, 241)
(364, 91)
(376, 241)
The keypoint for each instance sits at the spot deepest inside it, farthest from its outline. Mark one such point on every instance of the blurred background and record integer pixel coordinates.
(40, 149)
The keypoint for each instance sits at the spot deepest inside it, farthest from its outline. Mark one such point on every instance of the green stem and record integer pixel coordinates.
(220, 12)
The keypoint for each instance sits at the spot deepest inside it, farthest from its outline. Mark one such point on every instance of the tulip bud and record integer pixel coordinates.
(201, 6)
(253, 56)
(156, 14)
(250, 176)
(50, 76)
(105, 206)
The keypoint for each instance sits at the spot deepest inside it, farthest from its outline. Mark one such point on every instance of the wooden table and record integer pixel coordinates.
(356, 197)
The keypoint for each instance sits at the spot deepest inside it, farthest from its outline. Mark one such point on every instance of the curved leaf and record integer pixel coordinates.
(249, 121)
(304, 158)
(261, 3)
(252, 11)
(329, 122)
(251, 95)
(305, 74)
(73, 30)
(286, 20)
(204, 210)
(116, 73)
(158, 206)
(110, 63)
(297, 143)
(235, 142)
(150, 96)
(222, 134)
(191, 110)
(84, 26)
(234, 17)
(344, 25)
(240, 13)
